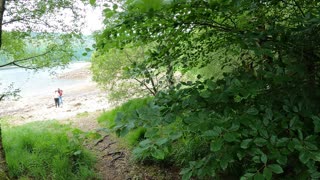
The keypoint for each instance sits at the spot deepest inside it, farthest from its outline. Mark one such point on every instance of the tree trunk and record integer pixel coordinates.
(2, 9)
(3, 163)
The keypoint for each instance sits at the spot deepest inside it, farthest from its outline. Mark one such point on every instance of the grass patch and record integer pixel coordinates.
(108, 117)
(133, 137)
(83, 114)
(43, 150)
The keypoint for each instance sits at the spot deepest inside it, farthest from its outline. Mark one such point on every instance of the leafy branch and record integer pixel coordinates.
(15, 62)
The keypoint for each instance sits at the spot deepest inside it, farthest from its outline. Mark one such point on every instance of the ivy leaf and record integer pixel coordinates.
(216, 145)
(276, 168)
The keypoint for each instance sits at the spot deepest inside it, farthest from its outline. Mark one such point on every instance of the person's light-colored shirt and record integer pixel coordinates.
(56, 94)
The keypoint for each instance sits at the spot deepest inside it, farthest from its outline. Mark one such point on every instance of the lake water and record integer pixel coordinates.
(33, 83)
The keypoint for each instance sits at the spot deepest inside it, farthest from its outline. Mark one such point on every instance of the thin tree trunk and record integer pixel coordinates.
(3, 163)
(2, 9)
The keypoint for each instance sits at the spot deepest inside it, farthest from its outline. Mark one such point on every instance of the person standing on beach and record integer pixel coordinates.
(56, 98)
(60, 95)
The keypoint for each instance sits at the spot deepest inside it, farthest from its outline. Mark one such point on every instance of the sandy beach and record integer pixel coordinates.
(84, 96)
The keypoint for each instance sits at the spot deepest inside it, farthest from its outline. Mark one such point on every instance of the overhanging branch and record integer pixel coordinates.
(24, 59)
(12, 20)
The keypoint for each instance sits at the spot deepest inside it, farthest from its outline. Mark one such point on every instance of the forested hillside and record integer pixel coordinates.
(78, 47)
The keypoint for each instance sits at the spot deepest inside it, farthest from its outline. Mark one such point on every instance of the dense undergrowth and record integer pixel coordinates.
(46, 150)
(259, 118)
(125, 111)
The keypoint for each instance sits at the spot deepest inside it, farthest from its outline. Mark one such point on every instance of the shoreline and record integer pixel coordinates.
(84, 96)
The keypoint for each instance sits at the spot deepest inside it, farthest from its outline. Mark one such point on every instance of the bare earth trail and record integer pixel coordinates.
(82, 104)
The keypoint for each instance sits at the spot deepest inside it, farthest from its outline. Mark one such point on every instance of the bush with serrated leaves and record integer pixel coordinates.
(264, 128)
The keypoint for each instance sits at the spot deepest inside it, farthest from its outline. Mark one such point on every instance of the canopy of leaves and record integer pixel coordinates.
(47, 26)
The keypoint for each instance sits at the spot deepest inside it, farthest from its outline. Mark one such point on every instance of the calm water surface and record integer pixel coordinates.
(33, 83)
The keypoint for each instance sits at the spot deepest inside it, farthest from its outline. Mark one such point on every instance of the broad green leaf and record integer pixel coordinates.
(316, 156)
(145, 142)
(269, 114)
(316, 122)
(315, 175)
(216, 145)
(223, 164)
(276, 168)
(264, 158)
(230, 137)
(260, 141)
(304, 157)
(247, 176)
(77, 153)
(285, 107)
(267, 173)
(245, 143)
(263, 132)
(175, 135)
(282, 159)
(252, 111)
(293, 121)
(161, 141)
(235, 126)
(187, 175)
(211, 133)
(158, 154)
(258, 176)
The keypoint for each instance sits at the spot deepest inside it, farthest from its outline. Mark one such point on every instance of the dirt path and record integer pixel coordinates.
(113, 158)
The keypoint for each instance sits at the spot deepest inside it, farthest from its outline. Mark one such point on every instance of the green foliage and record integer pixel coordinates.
(83, 114)
(109, 71)
(134, 136)
(260, 116)
(45, 151)
(127, 108)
